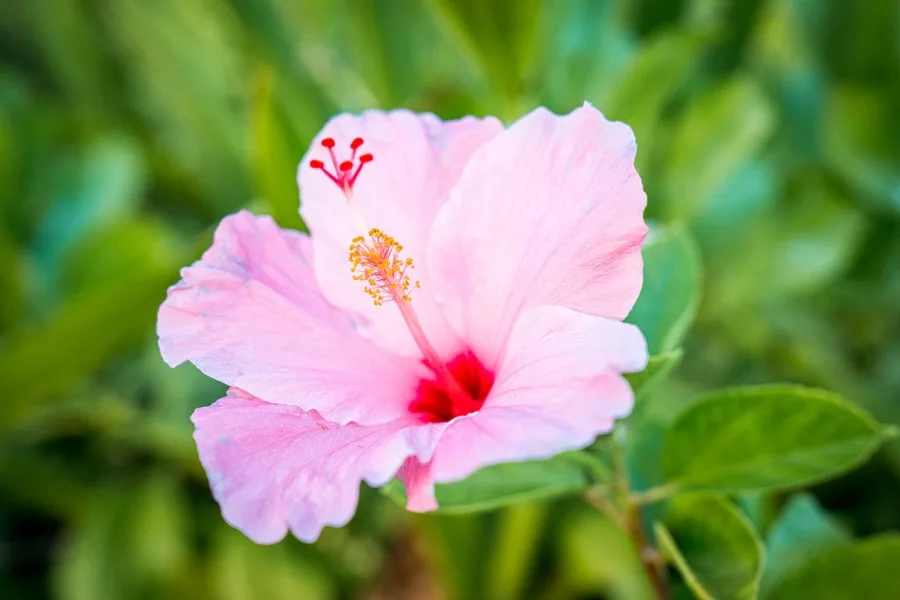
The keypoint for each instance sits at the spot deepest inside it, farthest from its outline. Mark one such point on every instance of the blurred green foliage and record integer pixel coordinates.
(768, 129)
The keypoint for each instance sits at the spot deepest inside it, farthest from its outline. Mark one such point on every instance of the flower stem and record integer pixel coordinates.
(631, 510)
(650, 558)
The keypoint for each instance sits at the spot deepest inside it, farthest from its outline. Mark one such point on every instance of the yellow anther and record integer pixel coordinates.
(375, 259)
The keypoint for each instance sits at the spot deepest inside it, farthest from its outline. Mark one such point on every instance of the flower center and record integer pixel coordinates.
(460, 385)
(436, 404)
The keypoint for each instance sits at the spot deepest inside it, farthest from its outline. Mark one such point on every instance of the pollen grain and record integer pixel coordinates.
(375, 260)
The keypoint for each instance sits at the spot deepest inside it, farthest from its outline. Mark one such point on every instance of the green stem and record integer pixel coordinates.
(653, 495)
(631, 521)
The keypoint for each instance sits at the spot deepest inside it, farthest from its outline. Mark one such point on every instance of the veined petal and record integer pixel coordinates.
(250, 314)
(416, 160)
(558, 388)
(548, 212)
(273, 467)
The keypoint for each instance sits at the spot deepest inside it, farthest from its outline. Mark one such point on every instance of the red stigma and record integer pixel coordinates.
(344, 175)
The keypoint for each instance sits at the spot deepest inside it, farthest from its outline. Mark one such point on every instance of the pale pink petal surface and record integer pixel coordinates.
(548, 212)
(557, 389)
(249, 314)
(274, 467)
(416, 161)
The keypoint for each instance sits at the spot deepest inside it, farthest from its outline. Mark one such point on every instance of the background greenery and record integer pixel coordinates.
(768, 132)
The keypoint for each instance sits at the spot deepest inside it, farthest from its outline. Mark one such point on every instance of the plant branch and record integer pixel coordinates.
(653, 495)
(649, 557)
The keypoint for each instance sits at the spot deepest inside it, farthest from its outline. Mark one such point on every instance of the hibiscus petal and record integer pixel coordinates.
(417, 158)
(274, 467)
(558, 388)
(416, 477)
(548, 212)
(250, 314)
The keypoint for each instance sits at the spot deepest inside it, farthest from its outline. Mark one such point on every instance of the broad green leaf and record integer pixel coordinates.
(657, 369)
(802, 532)
(596, 556)
(867, 569)
(510, 483)
(646, 427)
(671, 290)
(766, 437)
(713, 546)
(719, 132)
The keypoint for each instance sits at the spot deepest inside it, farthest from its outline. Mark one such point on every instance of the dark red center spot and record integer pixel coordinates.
(435, 404)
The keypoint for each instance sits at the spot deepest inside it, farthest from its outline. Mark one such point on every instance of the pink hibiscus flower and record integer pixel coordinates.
(475, 321)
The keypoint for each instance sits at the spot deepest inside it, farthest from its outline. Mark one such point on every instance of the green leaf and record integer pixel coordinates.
(796, 247)
(92, 565)
(802, 532)
(132, 542)
(656, 72)
(10, 283)
(242, 570)
(91, 190)
(855, 144)
(590, 51)
(269, 31)
(156, 534)
(515, 544)
(64, 32)
(185, 66)
(505, 484)
(657, 369)
(597, 557)
(865, 569)
(499, 37)
(718, 133)
(713, 546)
(766, 437)
(41, 362)
(671, 291)
(274, 163)
(458, 551)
